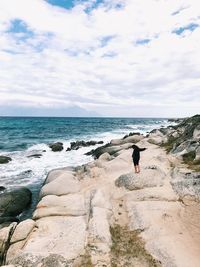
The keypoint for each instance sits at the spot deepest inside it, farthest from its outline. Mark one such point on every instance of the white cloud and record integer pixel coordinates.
(94, 60)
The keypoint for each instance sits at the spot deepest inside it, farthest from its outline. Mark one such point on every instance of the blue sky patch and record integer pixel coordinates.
(68, 4)
(106, 39)
(191, 27)
(62, 3)
(110, 55)
(143, 41)
(20, 30)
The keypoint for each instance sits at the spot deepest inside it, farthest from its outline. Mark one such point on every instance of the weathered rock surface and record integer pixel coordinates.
(4, 159)
(56, 146)
(64, 184)
(5, 234)
(129, 139)
(22, 230)
(133, 181)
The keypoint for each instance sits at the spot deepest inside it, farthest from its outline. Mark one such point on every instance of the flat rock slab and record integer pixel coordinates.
(63, 185)
(63, 236)
(67, 205)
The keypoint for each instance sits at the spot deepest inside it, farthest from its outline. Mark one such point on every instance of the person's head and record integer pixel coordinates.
(134, 147)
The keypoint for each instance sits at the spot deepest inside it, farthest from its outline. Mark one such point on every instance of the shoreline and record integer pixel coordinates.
(92, 205)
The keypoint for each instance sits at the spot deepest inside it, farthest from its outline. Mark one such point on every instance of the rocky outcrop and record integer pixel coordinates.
(69, 220)
(182, 140)
(56, 146)
(115, 146)
(4, 159)
(78, 144)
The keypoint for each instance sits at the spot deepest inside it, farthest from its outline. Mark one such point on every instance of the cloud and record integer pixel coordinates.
(116, 58)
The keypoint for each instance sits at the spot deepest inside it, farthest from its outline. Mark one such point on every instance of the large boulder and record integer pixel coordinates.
(64, 184)
(4, 159)
(150, 177)
(56, 146)
(129, 139)
(13, 202)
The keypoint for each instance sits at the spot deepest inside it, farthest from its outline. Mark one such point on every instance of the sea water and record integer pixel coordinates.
(21, 137)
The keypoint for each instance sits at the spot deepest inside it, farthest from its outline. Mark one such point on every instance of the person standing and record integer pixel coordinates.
(136, 157)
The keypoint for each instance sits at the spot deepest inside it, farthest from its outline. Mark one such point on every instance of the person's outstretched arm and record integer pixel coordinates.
(142, 149)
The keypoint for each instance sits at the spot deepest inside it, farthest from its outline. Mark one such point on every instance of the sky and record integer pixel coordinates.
(120, 58)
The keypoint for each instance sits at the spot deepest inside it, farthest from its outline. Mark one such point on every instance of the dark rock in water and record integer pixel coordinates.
(131, 134)
(78, 144)
(4, 159)
(56, 146)
(2, 188)
(108, 148)
(35, 156)
(44, 151)
(13, 202)
(8, 219)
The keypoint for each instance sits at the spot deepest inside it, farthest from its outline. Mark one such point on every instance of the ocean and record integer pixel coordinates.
(21, 137)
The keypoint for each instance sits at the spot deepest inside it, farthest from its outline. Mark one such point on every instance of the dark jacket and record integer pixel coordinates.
(136, 153)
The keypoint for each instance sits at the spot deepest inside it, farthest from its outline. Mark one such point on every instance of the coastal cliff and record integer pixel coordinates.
(103, 214)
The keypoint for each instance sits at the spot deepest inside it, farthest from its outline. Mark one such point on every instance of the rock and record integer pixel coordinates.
(35, 156)
(78, 144)
(57, 235)
(5, 234)
(196, 133)
(13, 202)
(22, 230)
(132, 181)
(56, 146)
(129, 139)
(2, 188)
(30, 260)
(4, 159)
(108, 148)
(54, 174)
(197, 153)
(185, 183)
(8, 219)
(63, 185)
(131, 134)
(99, 226)
(69, 205)
(105, 157)
(185, 147)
